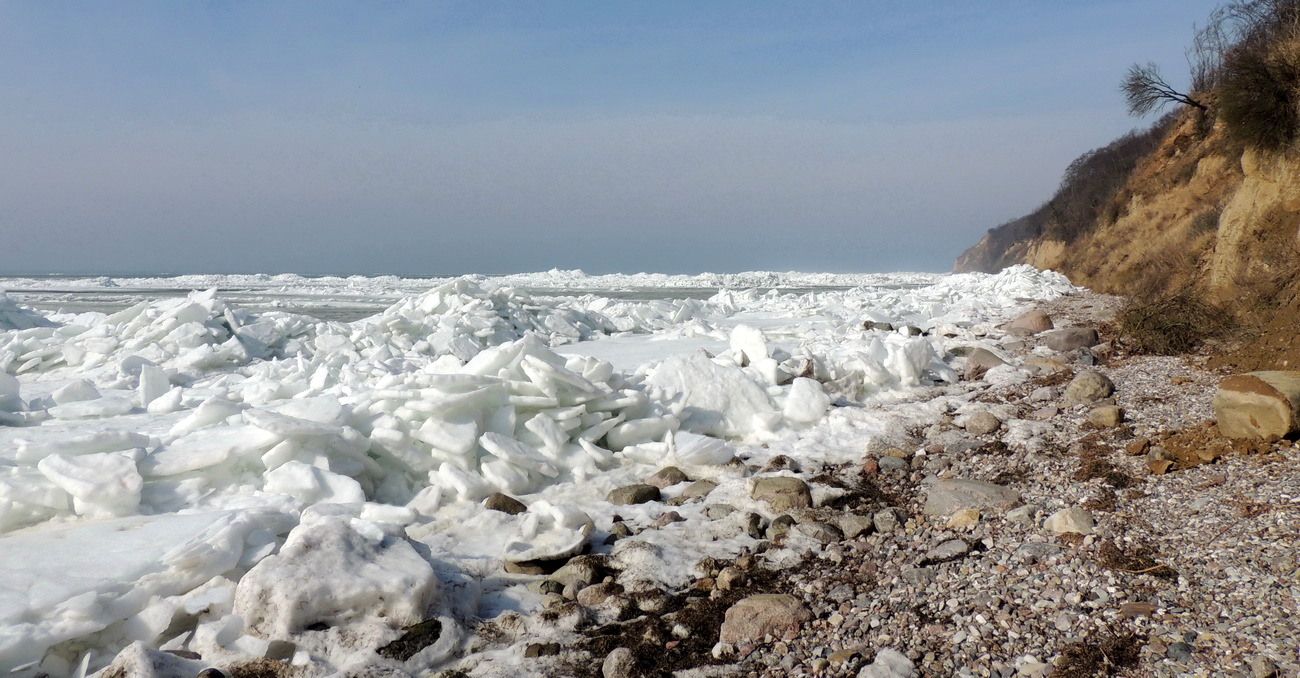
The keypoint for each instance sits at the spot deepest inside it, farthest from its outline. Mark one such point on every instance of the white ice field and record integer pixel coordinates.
(192, 473)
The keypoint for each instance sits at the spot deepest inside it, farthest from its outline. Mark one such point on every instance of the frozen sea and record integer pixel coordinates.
(219, 464)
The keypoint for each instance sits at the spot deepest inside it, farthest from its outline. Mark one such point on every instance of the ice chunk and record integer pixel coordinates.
(9, 388)
(719, 400)
(310, 484)
(102, 485)
(75, 392)
(639, 431)
(85, 443)
(806, 403)
(109, 406)
(287, 426)
(207, 413)
(166, 403)
(207, 448)
(694, 449)
(549, 532)
(517, 453)
(747, 344)
(153, 384)
(328, 573)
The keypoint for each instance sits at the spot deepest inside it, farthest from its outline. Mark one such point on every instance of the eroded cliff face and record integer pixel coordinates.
(1198, 212)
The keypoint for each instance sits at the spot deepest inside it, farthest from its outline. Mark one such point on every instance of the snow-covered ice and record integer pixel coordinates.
(188, 472)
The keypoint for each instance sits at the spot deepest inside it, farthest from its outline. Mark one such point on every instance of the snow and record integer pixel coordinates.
(212, 471)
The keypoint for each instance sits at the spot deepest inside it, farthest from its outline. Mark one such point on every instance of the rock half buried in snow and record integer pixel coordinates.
(947, 496)
(633, 494)
(1088, 386)
(1258, 405)
(756, 616)
(782, 493)
(504, 503)
(1071, 339)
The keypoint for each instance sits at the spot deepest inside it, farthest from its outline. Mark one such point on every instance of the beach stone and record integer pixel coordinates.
(883, 327)
(667, 477)
(699, 489)
(853, 525)
(964, 518)
(281, 650)
(1076, 520)
(1045, 364)
(954, 494)
(982, 358)
(1023, 514)
(822, 532)
(583, 570)
(949, 550)
(1258, 405)
(889, 663)
(730, 578)
(1088, 386)
(619, 663)
(633, 494)
(1036, 552)
(752, 618)
(535, 650)
(1106, 416)
(887, 520)
(504, 503)
(1044, 394)
(982, 423)
(1044, 413)
(1071, 339)
(1033, 322)
(888, 463)
(668, 519)
(1262, 667)
(596, 594)
(780, 525)
(718, 511)
(782, 493)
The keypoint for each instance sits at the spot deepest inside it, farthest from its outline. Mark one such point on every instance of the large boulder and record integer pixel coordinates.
(1087, 387)
(782, 493)
(1259, 405)
(1030, 322)
(1071, 339)
(752, 618)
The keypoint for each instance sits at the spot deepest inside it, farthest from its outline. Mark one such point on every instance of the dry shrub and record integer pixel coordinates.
(1206, 222)
(1100, 657)
(1259, 88)
(1171, 325)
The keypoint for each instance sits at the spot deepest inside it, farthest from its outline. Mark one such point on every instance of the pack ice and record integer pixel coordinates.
(185, 474)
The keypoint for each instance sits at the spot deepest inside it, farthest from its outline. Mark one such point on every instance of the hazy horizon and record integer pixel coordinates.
(489, 137)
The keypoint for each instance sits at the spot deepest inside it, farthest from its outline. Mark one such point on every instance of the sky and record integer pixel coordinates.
(450, 137)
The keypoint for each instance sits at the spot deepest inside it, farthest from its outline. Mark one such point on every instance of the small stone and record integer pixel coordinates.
(1071, 339)
(889, 663)
(667, 477)
(535, 650)
(1036, 552)
(620, 529)
(633, 494)
(842, 656)
(949, 550)
(1073, 520)
(596, 594)
(981, 423)
(504, 503)
(619, 663)
(886, 520)
(1086, 387)
(1138, 447)
(854, 525)
(1044, 413)
(947, 496)
(780, 526)
(1137, 610)
(582, 569)
(210, 673)
(1106, 416)
(668, 519)
(1025, 515)
(918, 576)
(730, 578)
(1043, 394)
(699, 489)
(281, 650)
(1180, 652)
(822, 532)
(755, 524)
(527, 567)
(752, 618)
(887, 463)
(1262, 667)
(718, 511)
(979, 361)
(964, 518)
(1045, 365)
(782, 493)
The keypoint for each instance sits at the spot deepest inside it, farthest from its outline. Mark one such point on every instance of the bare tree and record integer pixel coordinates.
(1146, 91)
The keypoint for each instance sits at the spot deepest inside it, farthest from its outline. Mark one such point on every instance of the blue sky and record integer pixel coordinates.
(455, 137)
